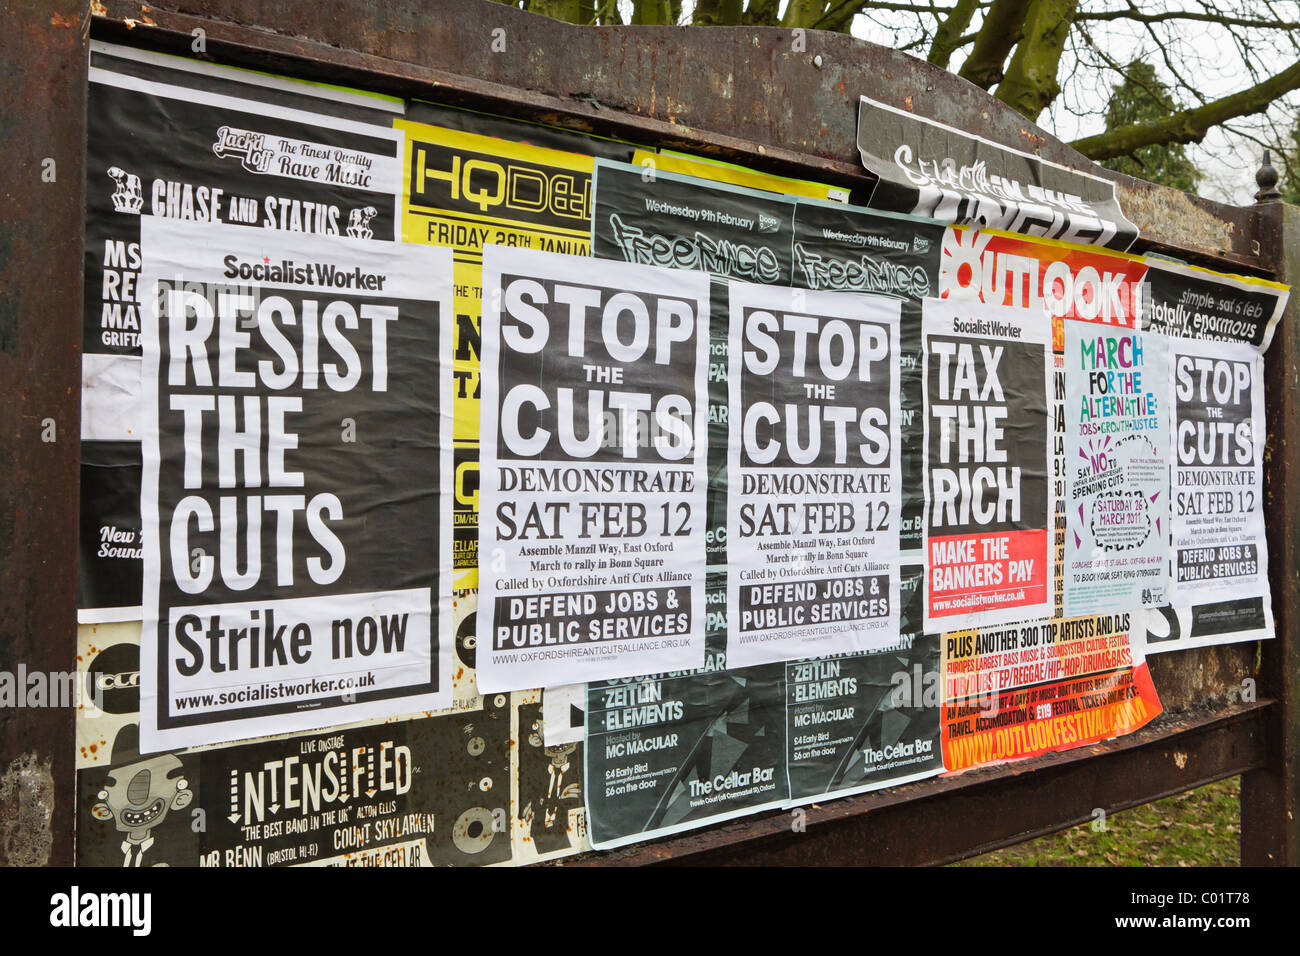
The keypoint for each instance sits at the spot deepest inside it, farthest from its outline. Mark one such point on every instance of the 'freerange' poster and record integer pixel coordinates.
(1117, 469)
(591, 519)
(1217, 399)
(297, 452)
(813, 513)
(988, 518)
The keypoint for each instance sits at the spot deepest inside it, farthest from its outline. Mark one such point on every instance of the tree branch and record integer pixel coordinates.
(1031, 84)
(948, 35)
(761, 13)
(1140, 17)
(1189, 126)
(1001, 32)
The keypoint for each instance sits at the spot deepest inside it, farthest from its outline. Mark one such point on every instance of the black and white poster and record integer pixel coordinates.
(1189, 302)
(647, 215)
(591, 503)
(190, 141)
(813, 513)
(111, 558)
(430, 791)
(679, 750)
(295, 493)
(989, 519)
(1217, 400)
(861, 722)
(929, 169)
(849, 249)
(547, 817)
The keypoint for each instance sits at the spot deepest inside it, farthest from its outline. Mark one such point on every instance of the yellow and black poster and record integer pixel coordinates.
(467, 191)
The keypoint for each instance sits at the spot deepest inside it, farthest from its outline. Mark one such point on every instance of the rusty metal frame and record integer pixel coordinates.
(741, 94)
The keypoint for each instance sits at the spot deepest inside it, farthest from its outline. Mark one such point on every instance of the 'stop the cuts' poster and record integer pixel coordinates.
(1117, 469)
(988, 518)
(1217, 400)
(813, 509)
(297, 449)
(591, 529)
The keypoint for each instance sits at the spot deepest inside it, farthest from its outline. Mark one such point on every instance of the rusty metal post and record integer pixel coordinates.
(1270, 830)
(43, 127)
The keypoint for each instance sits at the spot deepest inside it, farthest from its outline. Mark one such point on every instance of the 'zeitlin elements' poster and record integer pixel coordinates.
(1117, 469)
(675, 751)
(296, 455)
(988, 518)
(1217, 399)
(813, 514)
(591, 529)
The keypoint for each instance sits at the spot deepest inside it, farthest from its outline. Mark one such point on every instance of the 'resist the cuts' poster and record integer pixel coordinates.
(297, 452)
(813, 509)
(988, 518)
(1117, 469)
(1216, 394)
(186, 140)
(591, 530)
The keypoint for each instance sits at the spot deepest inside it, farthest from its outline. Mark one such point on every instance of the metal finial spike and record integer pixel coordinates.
(1266, 178)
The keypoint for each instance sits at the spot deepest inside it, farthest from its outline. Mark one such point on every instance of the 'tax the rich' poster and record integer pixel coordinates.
(813, 513)
(1117, 469)
(988, 518)
(591, 530)
(297, 453)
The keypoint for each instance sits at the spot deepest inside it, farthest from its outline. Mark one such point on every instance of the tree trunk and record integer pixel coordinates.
(1030, 83)
(803, 13)
(652, 13)
(717, 13)
(1000, 32)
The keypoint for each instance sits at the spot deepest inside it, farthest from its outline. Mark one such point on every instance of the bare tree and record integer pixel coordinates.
(1226, 60)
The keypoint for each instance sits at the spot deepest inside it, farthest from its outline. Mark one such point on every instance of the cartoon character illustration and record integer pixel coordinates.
(359, 222)
(127, 195)
(138, 796)
(545, 816)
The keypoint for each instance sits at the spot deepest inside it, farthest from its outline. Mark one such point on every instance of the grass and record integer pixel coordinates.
(1198, 828)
